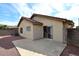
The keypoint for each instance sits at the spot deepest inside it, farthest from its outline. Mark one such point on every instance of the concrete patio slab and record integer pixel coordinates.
(25, 52)
(42, 47)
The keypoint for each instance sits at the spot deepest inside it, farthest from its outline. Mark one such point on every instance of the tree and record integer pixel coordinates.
(3, 26)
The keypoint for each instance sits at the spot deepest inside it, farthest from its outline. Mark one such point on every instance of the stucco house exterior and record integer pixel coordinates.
(42, 26)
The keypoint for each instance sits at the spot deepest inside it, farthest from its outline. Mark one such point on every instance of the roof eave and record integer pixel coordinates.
(28, 19)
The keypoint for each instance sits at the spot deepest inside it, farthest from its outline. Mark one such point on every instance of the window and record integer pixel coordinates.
(28, 28)
(21, 30)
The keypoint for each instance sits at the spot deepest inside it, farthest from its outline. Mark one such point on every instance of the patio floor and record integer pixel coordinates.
(7, 48)
(26, 47)
(42, 47)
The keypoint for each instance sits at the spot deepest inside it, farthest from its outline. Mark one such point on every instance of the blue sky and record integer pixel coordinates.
(10, 13)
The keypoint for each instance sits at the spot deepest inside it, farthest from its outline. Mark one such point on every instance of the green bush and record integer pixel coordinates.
(3, 26)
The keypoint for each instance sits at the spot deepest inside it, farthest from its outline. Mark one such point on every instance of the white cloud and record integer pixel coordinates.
(23, 9)
(47, 8)
(72, 14)
(40, 8)
(43, 9)
(39, 1)
(71, 1)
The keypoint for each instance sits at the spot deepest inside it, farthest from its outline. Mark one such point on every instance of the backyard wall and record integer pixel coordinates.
(8, 32)
(73, 36)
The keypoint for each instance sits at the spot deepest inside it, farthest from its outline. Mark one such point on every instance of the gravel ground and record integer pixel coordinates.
(70, 50)
(7, 48)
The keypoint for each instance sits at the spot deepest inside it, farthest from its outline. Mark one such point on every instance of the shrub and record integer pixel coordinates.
(3, 26)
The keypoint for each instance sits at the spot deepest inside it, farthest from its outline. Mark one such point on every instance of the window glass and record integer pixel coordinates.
(28, 28)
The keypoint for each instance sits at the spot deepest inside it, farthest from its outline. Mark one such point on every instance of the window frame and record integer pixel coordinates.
(28, 28)
(21, 30)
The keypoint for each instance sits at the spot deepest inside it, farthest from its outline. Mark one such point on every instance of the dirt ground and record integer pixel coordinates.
(70, 50)
(7, 48)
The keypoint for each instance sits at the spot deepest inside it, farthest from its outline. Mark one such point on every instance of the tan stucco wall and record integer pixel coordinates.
(67, 25)
(38, 31)
(57, 30)
(26, 34)
(57, 27)
(35, 33)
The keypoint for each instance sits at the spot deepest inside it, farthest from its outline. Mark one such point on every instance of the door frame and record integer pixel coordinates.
(46, 31)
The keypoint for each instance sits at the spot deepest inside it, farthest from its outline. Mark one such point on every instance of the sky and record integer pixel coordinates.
(10, 13)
